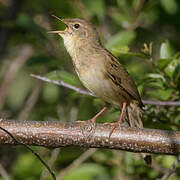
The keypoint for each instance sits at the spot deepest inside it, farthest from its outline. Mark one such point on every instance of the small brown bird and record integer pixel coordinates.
(100, 72)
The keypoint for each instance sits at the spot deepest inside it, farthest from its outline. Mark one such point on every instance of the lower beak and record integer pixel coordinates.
(55, 32)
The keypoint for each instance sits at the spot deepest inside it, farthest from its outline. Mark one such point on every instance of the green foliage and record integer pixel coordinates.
(165, 50)
(170, 7)
(96, 8)
(19, 90)
(26, 167)
(87, 171)
(50, 93)
(65, 76)
(144, 35)
(121, 38)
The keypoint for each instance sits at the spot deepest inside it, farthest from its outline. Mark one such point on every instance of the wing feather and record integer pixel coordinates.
(117, 73)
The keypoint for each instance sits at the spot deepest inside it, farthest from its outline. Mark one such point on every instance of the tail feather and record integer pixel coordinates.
(134, 113)
(134, 118)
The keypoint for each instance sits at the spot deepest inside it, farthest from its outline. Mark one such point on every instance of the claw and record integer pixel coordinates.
(115, 126)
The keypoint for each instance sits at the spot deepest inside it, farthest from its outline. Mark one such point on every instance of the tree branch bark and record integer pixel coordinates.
(84, 134)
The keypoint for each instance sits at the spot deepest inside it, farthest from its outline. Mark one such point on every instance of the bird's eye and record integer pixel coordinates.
(76, 26)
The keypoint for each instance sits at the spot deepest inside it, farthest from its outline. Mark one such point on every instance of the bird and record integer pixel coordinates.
(101, 72)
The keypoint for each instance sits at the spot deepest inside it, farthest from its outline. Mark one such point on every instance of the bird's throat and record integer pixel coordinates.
(70, 44)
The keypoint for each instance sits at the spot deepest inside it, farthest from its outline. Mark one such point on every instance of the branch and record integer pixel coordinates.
(84, 134)
(171, 170)
(22, 56)
(81, 91)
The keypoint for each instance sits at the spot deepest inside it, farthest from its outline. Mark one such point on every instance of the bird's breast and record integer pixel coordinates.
(94, 80)
(90, 67)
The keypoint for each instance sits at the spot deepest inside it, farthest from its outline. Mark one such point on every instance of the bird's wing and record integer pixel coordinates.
(120, 77)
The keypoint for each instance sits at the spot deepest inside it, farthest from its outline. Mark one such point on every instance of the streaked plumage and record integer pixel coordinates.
(101, 72)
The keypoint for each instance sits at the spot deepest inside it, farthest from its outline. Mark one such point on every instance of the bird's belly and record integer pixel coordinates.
(95, 81)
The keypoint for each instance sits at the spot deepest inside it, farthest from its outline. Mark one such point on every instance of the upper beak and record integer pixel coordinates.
(59, 32)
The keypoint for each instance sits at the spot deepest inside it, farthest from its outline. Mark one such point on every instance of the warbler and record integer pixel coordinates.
(101, 72)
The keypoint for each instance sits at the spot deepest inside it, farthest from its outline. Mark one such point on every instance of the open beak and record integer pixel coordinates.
(59, 32)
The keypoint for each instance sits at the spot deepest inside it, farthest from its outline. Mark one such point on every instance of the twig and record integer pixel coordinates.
(161, 103)
(30, 102)
(26, 146)
(171, 170)
(62, 83)
(76, 162)
(81, 91)
(84, 134)
(3, 173)
(53, 158)
(24, 53)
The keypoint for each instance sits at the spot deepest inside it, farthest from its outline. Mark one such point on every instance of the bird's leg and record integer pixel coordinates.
(119, 122)
(122, 113)
(89, 126)
(93, 120)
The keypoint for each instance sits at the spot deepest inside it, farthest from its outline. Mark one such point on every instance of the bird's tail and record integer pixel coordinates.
(134, 115)
(134, 118)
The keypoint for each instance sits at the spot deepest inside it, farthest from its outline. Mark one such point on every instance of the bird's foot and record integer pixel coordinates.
(88, 128)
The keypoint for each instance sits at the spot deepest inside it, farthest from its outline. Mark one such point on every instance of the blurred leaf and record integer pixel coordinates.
(156, 84)
(177, 75)
(27, 167)
(19, 90)
(65, 76)
(170, 6)
(124, 50)
(152, 14)
(177, 118)
(167, 161)
(96, 7)
(177, 55)
(124, 5)
(162, 63)
(164, 94)
(50, 93)
(27, 22)
(121, 38)
(121, 49)
(41, 59)
(68, 154)
(86, 105)
(119, 17)
(155, 76)
(161, 94)
(172, 66)
(165, 50)
(100, 156)
(87, 171)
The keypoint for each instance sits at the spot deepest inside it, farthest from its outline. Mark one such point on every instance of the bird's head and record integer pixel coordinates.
(77, 30)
